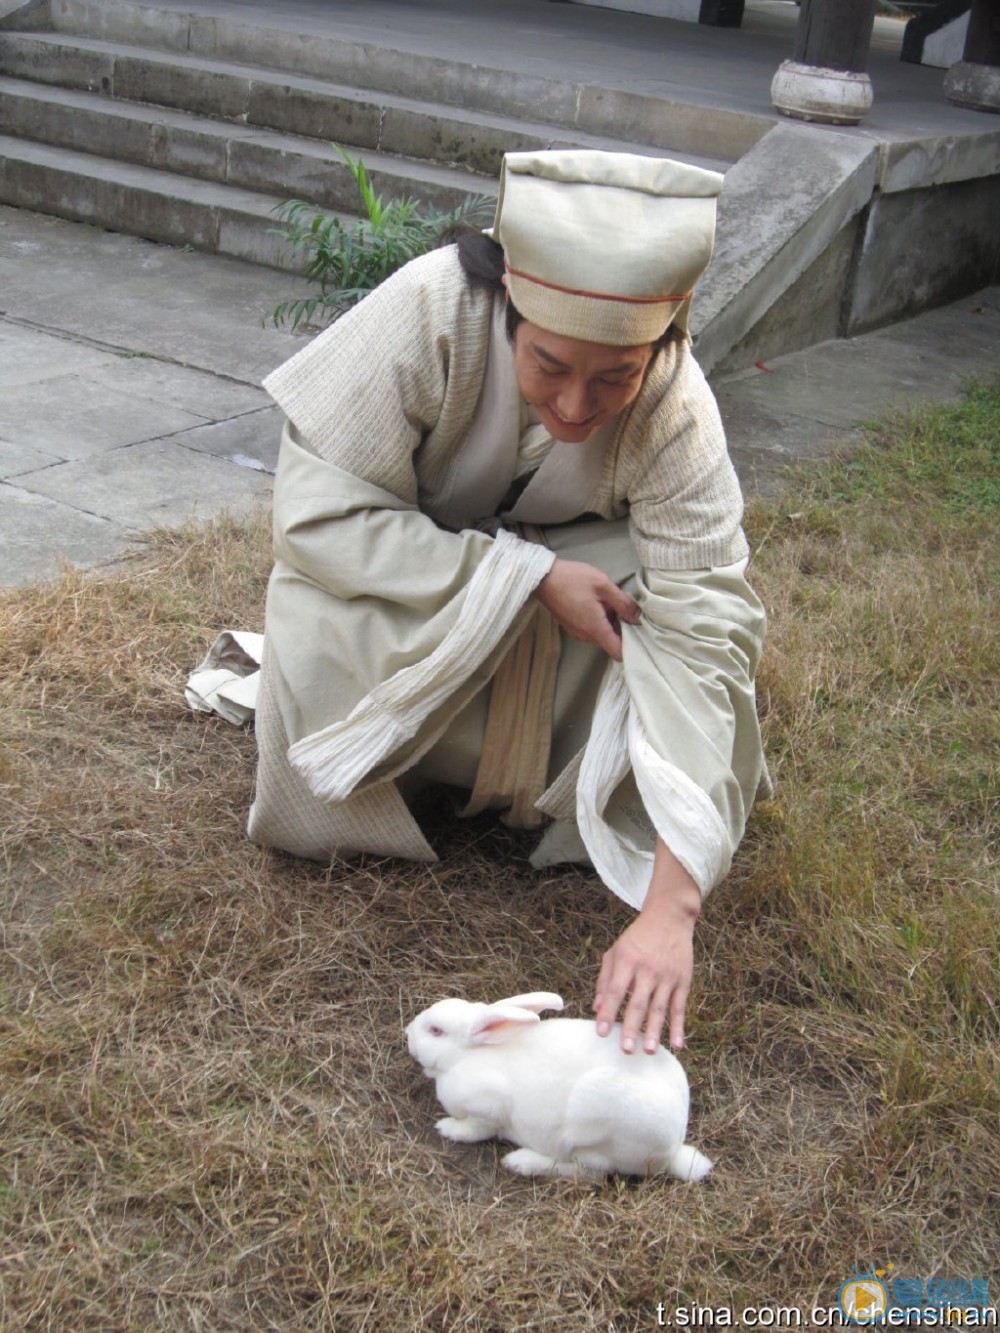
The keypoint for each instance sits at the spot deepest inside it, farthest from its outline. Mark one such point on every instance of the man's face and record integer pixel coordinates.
(576, 386)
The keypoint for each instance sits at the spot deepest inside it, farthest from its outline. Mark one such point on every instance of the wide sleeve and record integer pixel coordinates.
(677, 718)
(381, 625)
(389, 388)
(694, 738)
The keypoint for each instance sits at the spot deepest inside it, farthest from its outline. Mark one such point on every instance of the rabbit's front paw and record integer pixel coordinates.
(468, 1129)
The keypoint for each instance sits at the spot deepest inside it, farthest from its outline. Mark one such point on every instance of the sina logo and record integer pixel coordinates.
(864, 1298)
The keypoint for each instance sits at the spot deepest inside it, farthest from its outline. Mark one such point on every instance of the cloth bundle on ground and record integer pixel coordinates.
(226, 681)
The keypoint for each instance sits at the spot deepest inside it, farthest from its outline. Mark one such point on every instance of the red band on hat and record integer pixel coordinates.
(596, 296)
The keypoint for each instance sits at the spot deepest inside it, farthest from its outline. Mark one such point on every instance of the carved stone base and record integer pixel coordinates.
(831, 96)
(976, 86)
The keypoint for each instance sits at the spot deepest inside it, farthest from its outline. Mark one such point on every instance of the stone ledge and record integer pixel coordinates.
(782, 206)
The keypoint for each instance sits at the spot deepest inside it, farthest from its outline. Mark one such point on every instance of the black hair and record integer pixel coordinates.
(482, 263)
(480, 255)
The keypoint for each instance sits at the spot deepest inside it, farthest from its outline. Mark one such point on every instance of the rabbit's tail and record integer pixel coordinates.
(687, 1163)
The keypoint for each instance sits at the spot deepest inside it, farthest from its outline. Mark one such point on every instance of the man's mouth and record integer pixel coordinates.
(572, 425)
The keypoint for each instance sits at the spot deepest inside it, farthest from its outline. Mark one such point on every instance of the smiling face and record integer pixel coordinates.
(576, 386)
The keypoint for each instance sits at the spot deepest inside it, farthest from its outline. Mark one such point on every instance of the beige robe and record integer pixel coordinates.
(388, 610)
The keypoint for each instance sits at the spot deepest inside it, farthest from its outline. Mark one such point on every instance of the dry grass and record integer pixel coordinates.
(208, 1117)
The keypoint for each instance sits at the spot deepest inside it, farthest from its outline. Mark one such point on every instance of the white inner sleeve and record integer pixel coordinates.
(623, 866)
(683, 815)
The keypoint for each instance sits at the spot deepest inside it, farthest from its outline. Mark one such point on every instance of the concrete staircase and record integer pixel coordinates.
(188, 123)
(154, 122)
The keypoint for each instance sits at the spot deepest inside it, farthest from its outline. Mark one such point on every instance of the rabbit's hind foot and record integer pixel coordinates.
(527, 1162)
(465, 1129)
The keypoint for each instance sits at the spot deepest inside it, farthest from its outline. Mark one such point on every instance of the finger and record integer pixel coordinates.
(635, 1015)
(678, 1004)
(607, 1010)
(603, 981)
(611, 988)
(607, 638)
(621, 604)
(656, 1019)
(612, 646)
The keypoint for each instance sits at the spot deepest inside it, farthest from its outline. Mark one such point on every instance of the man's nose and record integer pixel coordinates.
(574, 403)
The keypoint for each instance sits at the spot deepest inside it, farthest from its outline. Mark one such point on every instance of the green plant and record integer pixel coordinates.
(348, 260)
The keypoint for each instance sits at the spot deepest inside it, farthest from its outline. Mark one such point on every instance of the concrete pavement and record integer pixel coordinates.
(130, 389)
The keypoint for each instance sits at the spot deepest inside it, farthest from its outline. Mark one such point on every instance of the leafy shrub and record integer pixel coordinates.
(349, 260)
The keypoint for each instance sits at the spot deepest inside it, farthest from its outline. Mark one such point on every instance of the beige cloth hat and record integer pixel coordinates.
(604, 246)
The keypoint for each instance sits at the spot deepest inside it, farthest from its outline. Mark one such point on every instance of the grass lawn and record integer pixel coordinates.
(209, 1119)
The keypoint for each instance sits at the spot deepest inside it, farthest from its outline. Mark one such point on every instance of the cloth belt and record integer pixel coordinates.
(514, 763)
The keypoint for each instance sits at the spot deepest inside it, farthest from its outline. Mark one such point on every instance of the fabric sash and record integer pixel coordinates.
(514, 762)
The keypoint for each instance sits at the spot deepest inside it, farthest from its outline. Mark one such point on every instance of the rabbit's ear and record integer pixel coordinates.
(499, 1023)
(536, 1001)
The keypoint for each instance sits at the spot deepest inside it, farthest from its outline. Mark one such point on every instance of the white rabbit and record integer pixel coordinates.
(573, 1101)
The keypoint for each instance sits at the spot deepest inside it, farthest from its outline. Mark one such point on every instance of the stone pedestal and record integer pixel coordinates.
(975, 80)
(975, 86)
(831, 96)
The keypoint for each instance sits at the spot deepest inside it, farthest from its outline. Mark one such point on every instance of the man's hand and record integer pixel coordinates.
(652, 961)
(587, 604)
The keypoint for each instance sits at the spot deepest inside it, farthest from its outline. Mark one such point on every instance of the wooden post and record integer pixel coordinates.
(721, 13)
(982, 40)
(835, 34)
(975, 81)
(826, 79)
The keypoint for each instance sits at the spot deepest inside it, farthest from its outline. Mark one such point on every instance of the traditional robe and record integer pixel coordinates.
(389, 608)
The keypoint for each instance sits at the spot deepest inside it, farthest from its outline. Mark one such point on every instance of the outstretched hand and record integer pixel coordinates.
(587, 604)
(652, 961)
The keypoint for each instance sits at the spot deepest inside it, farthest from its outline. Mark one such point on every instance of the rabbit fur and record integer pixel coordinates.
(574, 1103)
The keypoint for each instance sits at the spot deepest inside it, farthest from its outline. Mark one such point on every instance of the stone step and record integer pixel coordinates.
(190, 129)
(291, 103)
(660, 123)
(142, 201)
(254, 96)
(251, 158)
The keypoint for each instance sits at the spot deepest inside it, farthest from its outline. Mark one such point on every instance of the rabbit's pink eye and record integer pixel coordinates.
(435, 1031)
